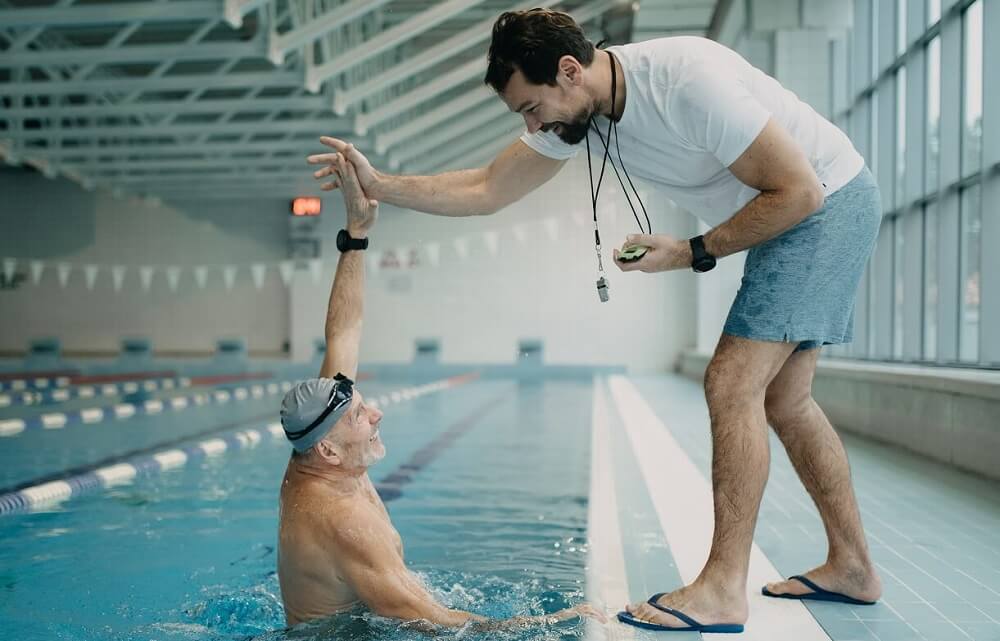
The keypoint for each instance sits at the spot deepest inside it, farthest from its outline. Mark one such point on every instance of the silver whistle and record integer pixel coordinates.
(602, 289)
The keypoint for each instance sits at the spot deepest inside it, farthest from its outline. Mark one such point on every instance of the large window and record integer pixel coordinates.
(972, 122)
(933, 115)
(970, 260)
(930, 324)
(923, 294)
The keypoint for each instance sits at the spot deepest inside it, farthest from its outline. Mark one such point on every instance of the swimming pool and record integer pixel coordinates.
(487, 484)
(513, 495)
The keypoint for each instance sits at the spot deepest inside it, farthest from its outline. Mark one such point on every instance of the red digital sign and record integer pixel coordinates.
(306, 206)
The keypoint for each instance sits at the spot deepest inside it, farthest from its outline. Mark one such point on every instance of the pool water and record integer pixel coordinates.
(488, 489)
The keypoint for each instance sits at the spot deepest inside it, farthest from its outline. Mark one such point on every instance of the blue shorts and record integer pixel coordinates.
(800, 287)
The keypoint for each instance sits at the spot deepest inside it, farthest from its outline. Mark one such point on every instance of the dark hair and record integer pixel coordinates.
(534, 41)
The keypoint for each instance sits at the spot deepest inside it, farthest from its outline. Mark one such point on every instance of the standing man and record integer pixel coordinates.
(731, 145)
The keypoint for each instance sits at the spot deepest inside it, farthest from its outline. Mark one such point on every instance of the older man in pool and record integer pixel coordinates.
(337, 547)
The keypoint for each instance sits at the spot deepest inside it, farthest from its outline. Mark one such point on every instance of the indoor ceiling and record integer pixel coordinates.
(195, 99)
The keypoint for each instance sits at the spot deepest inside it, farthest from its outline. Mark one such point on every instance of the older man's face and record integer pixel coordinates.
(357, 434)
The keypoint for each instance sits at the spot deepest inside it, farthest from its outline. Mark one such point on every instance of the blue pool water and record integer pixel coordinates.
(495, 521)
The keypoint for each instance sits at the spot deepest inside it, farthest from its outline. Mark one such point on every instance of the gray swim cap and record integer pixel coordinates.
(312, 407)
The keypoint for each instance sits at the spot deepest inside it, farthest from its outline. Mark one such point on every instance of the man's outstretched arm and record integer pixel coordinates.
(515, 172)
(345, 310)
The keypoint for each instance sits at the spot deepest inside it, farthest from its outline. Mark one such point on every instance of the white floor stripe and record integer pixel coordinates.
(607, 585)
(682, 498)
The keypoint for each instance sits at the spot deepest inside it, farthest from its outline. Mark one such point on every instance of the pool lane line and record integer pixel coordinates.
(682, 498)
(164, 456)
(606, 579)
(59, 420)
(63, 394)
(29, 382)
(391, 486)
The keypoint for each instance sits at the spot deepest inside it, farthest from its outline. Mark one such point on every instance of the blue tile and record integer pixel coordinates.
(963, 611)
(892, 630)
(917, 614)
(982, 631)
(848, 631)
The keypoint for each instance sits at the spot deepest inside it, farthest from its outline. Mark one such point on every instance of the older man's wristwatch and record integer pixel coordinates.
(346, 243)
(701, 260)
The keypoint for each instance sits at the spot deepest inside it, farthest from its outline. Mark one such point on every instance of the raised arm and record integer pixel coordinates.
(516, 171)
(345, 310)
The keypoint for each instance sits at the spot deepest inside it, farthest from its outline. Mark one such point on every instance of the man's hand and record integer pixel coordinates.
(665, 253)
(583, 610)
(361, 210)
(366, 174)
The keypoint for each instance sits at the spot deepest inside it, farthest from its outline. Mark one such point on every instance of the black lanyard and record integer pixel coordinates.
(612, 128)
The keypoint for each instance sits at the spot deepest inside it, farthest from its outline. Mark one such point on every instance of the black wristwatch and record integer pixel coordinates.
(346, 243)
(701, 260)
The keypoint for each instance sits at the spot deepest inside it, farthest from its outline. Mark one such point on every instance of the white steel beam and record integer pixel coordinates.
(459, 42)
(235, 10)
(386, 40)
(427, 121)
(423, 93)
(281, 43)
(333, 125)
(168, 107)
(186, 82)
(132, 54)
(442, 135)
(464, 144)
(103, 14)
(427, 58)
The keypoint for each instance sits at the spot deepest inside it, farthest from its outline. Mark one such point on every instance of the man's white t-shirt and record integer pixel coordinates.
(692, 107)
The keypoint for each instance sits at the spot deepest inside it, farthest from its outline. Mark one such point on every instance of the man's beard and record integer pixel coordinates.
(575, 131)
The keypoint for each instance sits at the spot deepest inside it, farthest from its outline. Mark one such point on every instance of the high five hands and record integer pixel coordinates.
(367, 176)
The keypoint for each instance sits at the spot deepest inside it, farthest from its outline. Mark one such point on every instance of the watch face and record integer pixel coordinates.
(342, 239)
(703, 265)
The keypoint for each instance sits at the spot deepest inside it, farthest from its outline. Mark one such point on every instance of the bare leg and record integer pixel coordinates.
(735, 384)
(821, 463)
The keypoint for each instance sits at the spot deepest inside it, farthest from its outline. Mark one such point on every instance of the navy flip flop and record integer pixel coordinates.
(692, 625)
(817, 594)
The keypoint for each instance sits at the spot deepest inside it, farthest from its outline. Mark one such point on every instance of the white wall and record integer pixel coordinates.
(54, 220)
(481, 306)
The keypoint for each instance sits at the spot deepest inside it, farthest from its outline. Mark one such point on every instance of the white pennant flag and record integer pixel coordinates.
(63, 269)
(287, 269)
(492, 239)
(552, 227)
(258, 271)
(229, 275)
(117, 276)
(146, 277)
(433, 253)
(90, 275)
(201, 276)
(520, 234)
(36, 271)
(9, 265)
(461, 248)
(173, 277)
(316, 268)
